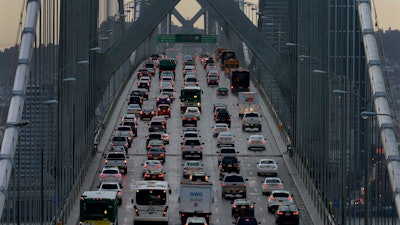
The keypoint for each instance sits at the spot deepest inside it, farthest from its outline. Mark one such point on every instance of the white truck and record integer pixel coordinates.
(248, 102)
(195, 200)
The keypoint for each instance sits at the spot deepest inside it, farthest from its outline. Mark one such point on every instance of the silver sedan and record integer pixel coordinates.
(256, 142)
(267, 167)
(225, 139)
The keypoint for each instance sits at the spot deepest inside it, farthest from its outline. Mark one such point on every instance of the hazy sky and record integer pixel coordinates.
(10, 10)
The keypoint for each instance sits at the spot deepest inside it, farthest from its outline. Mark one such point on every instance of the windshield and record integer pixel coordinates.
(151, 197)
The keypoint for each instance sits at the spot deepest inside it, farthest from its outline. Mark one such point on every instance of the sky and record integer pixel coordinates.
(10, 11)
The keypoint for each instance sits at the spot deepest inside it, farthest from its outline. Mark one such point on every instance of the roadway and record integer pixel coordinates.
(173, 165)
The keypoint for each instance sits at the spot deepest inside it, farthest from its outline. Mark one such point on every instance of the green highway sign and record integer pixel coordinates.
(208, 38)
(192, 38)
(164, 38)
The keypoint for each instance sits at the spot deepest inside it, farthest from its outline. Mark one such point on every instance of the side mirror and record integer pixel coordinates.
(132, 200)
(127, 157)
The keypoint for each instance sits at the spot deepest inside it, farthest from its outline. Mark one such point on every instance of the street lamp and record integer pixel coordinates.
(342, 92)
(302, 57)
(366, 114)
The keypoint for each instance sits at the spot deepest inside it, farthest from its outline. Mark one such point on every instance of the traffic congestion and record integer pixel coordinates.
(191, 146)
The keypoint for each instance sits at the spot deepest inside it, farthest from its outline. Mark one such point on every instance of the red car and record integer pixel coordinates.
(164, 110)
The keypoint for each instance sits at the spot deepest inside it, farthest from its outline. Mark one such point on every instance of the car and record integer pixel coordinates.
(114, 187)
(198, 176)
(213, 73)
(150, 67)
(125, 131)
(270, 184)
(191, 166)
(117, 159)
(226, 151)
(144, 93)
(135, 100)
(222, 91)
(189, 134)
(167, 79)
(219, 109)
(120, 141)
(110, 174)
(157, 136)
(155, 143)
(226, 139)
(136, 93)
(145, 78)
(256, 142)
(246, 220)
(166, 74)
(128, 116)
(161, 119)
(134, 109)
(193, 110)
(229, 164)
(188, 68)
(220, 127)
(287, 214)
(223, 117)
(147, 113)
(170, 93)
(189, 119)
(194, 129)
(234, 185)
(164, 110)
(220, 105)
(151, 164)
(242, 207)
(157, 126)
(132, 124)
(191, 80)
(268, 167)
(142, 72)
(279, 197)
(192, 147)
(164, 84)
(156, 153)
(196, 221)
(163, 99)
(212, 80)
(144, 84)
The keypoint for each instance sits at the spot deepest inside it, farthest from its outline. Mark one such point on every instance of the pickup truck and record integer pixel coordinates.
(192, 147)
(251, 120)
(234, 185)
(117, 159)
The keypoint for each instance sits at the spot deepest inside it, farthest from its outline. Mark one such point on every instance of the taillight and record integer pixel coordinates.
(118, 175)
(219, 139)
(290, 198)
(295, 213)
(280, 213)
(223, 184)
(102, 175)
(265, 185)
(165, 211)
(149, 155)
(136, 210)
(201, 147)
(280, 185)
(271, 198)
(161, 155)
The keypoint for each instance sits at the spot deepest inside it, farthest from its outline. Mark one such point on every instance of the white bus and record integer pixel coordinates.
(150, 201)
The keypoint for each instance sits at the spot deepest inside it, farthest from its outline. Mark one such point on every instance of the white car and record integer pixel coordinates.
(110, 174)
(112, 186)
(191, 166)
(267, 167)
(225, 139)
(150, 165)
(270, 184)
(256, 141)
(134, 109)
(279, 197)
(220, 127)
(196, 221)
(193, 110)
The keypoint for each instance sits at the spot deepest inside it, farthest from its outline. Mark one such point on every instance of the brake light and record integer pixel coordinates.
(265, 185)
(280, 186)
(119, 192)
(244, 185)
(271, 198)
(136, 210)
(280, 213)
(161, 155)
(223, 184)
(183, 147)
(102, 175)
(295, 213)
(141, 112)
(118, 175)
(219, 139)
(146, 166)
(149, 155)
(289, 198)
(201, 147)
(251, 142)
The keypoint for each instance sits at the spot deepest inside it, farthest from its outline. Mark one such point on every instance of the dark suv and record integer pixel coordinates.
(223, 117)
(157, 126)
(246, 220)
(135, 100)
(229, 164)
(242, 207)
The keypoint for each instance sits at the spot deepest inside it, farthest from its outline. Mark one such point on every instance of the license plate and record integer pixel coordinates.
(192, 152)
(155, 157)
(229, 165)
(287, 214)
(243, 207)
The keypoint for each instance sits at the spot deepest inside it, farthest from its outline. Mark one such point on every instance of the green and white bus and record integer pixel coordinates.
(99, 208)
